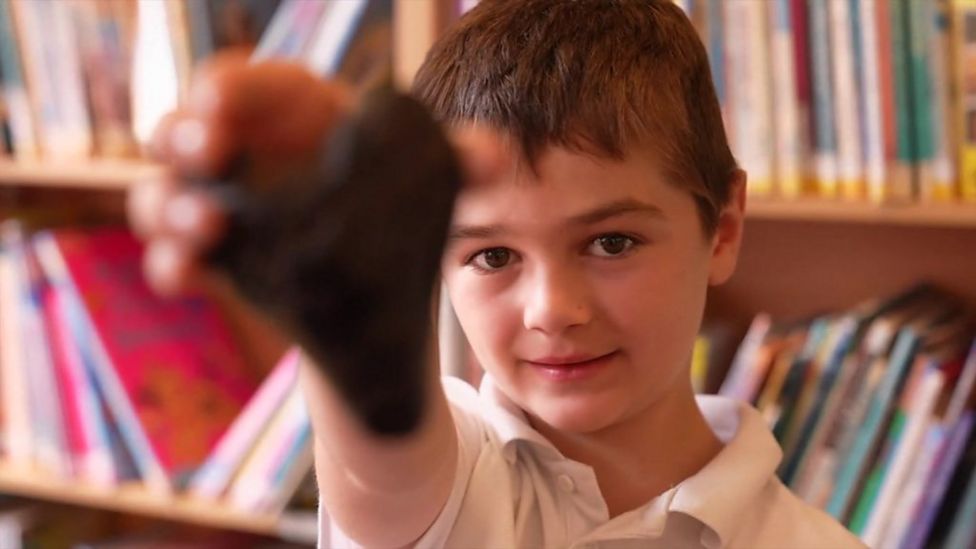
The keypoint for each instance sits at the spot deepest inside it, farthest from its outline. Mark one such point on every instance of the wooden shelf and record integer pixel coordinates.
(923, 215)
(94, 175)
(294, 526)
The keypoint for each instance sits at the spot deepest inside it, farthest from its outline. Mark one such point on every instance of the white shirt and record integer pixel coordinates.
(514, 489)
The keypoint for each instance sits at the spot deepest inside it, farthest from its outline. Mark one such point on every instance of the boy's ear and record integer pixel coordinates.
(728, 232)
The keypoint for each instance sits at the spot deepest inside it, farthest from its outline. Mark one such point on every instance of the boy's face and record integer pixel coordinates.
(581, 288)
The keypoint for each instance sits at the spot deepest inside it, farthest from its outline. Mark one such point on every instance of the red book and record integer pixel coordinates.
(171, 375)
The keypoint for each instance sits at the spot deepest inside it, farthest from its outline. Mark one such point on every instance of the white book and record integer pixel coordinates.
(875, 166)
(13, 389)
(750, 88)
(786, 109)
(849, 169)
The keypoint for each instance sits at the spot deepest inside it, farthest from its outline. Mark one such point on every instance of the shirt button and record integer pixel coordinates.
(566, 483)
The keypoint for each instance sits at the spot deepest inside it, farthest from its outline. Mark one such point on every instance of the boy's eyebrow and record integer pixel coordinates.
(600, 213)
(615, 208)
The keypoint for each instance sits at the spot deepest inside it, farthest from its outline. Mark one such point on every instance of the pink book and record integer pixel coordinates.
(172, 378)
(85, 429)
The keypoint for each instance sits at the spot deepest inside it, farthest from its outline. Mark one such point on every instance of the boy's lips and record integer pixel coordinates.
(570, 367)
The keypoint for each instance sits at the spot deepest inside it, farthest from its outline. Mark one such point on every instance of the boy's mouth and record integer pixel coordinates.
(570, 367)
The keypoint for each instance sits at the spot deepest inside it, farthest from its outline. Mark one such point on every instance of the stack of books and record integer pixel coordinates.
(874, 410)
(106, 384)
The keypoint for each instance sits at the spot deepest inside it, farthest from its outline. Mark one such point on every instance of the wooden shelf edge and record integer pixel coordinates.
(92, 175)
(922, 215)
(27, 482)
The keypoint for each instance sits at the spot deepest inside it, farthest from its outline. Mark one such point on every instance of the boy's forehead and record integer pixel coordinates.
(567, 186)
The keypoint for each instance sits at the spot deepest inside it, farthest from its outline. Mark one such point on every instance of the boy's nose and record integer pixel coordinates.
(555, 302)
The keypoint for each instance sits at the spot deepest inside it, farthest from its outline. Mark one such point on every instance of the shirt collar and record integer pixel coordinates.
(715, 495)
(510, 423)
(729, 483)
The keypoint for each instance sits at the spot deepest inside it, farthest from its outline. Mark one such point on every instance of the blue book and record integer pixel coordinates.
(856, 462)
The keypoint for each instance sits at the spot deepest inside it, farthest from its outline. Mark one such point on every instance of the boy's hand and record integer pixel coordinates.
(339, 235)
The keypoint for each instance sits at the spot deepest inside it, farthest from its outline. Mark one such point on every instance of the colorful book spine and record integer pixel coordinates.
(50, 445)
(786, 111)
(54, 76)
(18, 438)
(919, 22)
(944, 176)
(737, 383)
(901, 186)
(82, 406)
(917, 410)
(825, 153)
(964, 73)
(938, 482)
(963, 532)
(14, 89)
(846, 113)
(857, 460)
(250, 485)
(216, 473)
(871, 101)
(750, 93)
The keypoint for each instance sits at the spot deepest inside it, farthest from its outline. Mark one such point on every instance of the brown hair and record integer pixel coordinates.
(595, 76)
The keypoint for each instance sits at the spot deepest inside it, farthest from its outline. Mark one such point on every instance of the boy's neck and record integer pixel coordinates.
(647, 454)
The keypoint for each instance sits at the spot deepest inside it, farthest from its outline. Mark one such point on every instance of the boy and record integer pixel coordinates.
(601, 202)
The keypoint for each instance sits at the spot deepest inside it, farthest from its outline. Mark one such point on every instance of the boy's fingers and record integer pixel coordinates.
(483, 153)
(144, 205)
(195, 219)
(170, 268)
(195, 146)
(163, 208)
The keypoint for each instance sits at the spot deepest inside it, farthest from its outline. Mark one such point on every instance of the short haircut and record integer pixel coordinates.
(593, 76)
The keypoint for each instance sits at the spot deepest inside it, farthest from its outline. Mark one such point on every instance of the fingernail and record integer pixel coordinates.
(188, 136)
(184, 214)
(162, 261)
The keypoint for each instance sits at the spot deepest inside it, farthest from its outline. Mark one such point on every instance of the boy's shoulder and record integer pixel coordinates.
(784, 520)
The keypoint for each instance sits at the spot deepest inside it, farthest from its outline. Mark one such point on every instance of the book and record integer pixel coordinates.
(843, 50)
(749, 91)
(963, 531)
(786, 110)
(212, 478)
(13, 88)
(168, 369)
(17, 438)
(50, 448)
(938, 482)
(963, 16)
(50, 60)
(739, 381)
(825, 152)
(252, 482)
(856, 461)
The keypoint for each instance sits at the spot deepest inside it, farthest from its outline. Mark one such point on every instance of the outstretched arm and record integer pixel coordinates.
(293, 219)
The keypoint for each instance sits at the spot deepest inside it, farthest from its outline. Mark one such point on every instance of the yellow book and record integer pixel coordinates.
(964, 69)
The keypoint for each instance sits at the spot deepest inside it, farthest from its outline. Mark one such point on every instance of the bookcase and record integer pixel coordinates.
(799, 257)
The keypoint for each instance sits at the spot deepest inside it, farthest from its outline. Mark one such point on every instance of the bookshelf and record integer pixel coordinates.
(798, 257)
(99, 175)
(292, 525)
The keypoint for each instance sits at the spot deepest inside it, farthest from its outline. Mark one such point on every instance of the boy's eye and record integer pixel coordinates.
(491, 259)
(610, 245)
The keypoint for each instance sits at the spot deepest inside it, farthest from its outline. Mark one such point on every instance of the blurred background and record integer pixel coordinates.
(127, 420)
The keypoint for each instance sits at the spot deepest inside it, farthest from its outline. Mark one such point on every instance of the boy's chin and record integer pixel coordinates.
(577, 417)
